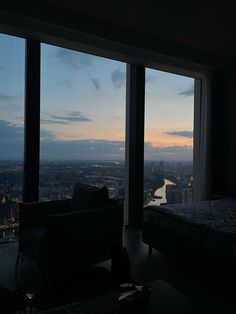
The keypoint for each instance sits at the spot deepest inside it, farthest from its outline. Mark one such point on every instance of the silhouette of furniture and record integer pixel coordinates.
(202, 233)
(62, 241)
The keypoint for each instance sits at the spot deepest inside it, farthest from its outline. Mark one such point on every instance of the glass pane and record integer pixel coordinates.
(82, 122)
(168, 165)
(12, 52)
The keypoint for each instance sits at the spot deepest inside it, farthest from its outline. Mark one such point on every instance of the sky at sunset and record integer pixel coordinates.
(83, 107)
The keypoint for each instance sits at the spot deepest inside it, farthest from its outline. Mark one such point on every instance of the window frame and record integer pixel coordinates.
(138, 58)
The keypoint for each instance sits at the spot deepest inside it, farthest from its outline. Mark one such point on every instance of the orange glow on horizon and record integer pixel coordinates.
(156, 139)
(165, 141)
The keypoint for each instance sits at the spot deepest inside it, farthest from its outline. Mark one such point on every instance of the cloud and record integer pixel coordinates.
(188, 134)
(73, 59)
(11, 139)
(46, 135)
(4, 96)
(10, 130)
(109, 150)
(11, 108)
(149, 79)
(83, 150)
(65, 83)
(51, 121)
(150, 147)
(75, 116)
(188, 92)
(115, 117)
(181, 152)
(118, 78)
(96, 83)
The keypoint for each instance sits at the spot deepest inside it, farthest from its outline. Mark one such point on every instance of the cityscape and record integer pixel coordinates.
(164, 182)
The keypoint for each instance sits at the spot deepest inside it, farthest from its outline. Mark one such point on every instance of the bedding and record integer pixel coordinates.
(209, 223)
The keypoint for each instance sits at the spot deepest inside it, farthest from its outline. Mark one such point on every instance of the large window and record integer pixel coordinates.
(11, 133)
(168, 155)
(82, 129)
(82, 122)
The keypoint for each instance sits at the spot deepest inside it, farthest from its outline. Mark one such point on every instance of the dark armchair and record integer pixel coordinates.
(62, 239)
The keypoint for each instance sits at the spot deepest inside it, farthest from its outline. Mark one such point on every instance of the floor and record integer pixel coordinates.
(144, 268)
(190, 282)
(8, 254)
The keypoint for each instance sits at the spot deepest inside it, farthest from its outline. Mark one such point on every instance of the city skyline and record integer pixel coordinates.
(83, 107)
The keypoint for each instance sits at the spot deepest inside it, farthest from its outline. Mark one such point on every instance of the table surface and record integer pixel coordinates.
(163, 299)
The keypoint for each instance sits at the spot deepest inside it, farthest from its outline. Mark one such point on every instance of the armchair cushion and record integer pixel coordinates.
(88, 197)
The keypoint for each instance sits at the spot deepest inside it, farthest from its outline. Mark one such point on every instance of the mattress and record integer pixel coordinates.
(209, 223)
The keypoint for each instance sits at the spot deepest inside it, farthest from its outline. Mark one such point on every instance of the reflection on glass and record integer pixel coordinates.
(82, 122)
(11, 129)
(168, 154)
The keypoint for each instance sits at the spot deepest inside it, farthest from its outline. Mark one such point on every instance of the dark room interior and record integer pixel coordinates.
(85, 217)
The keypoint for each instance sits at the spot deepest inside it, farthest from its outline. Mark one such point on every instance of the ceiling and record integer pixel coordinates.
(201, 32)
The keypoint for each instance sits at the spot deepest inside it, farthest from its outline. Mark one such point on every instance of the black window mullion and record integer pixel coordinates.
(135, 93)
(32, 121)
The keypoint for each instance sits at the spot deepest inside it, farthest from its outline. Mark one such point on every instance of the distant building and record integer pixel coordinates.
(187, 195)
(175, 194)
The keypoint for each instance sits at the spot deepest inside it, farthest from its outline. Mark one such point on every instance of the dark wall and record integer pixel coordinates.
(219, 133)
(224, 133)
(228, 149)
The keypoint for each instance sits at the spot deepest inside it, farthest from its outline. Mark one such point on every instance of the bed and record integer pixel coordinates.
(199, 231)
